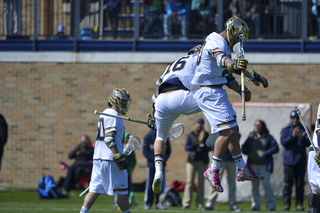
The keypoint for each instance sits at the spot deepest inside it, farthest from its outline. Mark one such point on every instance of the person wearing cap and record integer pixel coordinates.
(60, 34)
(197, 162)
(294, 140)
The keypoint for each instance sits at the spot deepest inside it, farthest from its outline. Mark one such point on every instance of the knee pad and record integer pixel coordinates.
(313, 203)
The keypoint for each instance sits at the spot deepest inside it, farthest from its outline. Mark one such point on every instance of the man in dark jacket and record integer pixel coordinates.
(198, 160)
(3, 135)
(148, 152)
(260, 146)
(294, 140)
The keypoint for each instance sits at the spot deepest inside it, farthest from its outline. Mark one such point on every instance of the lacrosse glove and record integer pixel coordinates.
(247, 93)
(237, 64)
(151, 123)
(317, 157)
(120, 159)
(257, 79)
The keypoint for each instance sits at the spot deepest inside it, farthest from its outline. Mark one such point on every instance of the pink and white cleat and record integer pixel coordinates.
(246, 173)
(212, 175)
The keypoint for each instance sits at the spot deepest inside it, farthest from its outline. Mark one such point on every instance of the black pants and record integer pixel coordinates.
(74, 174)
(293, 174)
(1, 153)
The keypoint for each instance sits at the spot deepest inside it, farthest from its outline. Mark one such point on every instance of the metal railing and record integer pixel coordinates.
(92, 19)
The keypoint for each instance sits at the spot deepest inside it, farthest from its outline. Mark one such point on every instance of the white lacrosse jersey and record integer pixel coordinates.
(179, 73)
(207, 71)
(108, 124)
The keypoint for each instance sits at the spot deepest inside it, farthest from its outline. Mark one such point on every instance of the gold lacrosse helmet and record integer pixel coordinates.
(194, 50)
(236, 26)
(120, 98)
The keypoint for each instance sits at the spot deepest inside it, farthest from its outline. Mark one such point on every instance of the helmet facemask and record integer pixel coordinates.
(120, 98)
(236, 26)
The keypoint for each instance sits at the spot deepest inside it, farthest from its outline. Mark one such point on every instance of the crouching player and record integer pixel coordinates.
(314, 170)
(109, 172)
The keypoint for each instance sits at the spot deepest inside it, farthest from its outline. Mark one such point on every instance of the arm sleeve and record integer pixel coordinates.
(286, 137)
(191, 143)
(147, 152)
(73, 153)
(246, 147)
(273, 149)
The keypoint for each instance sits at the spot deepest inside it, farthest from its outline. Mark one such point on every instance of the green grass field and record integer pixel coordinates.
(27, 201)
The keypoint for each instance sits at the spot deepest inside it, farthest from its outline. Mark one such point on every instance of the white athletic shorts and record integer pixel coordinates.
(107, 179)
(313, 172)
(169, 106)
(217, 108)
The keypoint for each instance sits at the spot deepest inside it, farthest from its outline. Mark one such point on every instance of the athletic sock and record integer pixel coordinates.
(215, 162)
(158, 161)
(239, 161)
(84, 210)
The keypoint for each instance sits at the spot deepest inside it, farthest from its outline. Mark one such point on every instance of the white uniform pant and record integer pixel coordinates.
(269, 196)
(169, 106)
(107, 179)
(217, 108)
(313, 172)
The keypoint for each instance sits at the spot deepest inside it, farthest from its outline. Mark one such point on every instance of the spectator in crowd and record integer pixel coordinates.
(260, 146)
(153, 13)
(248, 10)
(148, 152)
(3, 135)
(316, 12)
(213, 14)
(294, 140)
(198, 160)
(131, 159)
(82, 154)
(176, 12)
(60, 34)
(227, 164)
(199, 13)
(12, 17)
(113, 10)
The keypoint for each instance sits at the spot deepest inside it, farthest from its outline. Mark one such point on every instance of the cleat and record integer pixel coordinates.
(212, 175)
(157, 184)
(246, 173)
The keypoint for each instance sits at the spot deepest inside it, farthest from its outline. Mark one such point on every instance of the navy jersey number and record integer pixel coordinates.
(100, 130)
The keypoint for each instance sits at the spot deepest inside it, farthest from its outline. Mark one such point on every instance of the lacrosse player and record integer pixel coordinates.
(213, 63)
(176, 96)
(109, 172)
(314, 170)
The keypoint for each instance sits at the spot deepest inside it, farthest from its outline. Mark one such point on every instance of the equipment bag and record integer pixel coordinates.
(47, 188)
(170, 197)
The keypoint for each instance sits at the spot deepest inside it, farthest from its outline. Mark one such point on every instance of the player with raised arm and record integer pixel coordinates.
(213, 64)
(109, 172)
(176, 96)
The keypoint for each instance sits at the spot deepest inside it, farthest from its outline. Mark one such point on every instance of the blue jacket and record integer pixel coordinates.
(294, 148)
(148, 150)
(271, 148)
(195, 152)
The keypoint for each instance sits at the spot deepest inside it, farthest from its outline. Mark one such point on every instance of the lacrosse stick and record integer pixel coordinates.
(176, 130)
(133, 144)
(307, 131)
(242, 80)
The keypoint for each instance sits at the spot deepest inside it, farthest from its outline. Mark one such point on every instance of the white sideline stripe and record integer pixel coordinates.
(148, 57)
(267, 104)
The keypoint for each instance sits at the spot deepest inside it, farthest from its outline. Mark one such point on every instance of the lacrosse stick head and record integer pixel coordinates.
(238, 48)
(176, 130)
(133, 144)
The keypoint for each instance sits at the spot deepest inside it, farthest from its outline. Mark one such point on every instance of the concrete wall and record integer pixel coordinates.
(48, 100)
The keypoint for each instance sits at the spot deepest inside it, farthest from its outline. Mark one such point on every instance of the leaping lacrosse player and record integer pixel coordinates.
(314, 170)
(176, 96)
(213, 63)
(109, 172)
